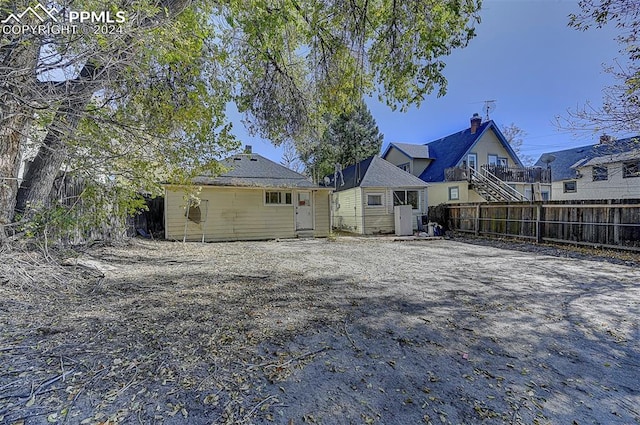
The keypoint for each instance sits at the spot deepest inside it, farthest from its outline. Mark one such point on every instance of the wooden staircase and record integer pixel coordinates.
(492, 188)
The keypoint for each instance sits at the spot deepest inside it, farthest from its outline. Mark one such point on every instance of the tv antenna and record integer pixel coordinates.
(489, 106)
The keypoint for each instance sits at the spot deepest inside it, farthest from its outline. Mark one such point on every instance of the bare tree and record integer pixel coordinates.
(290, 157)
(515, 136)
(620, 110)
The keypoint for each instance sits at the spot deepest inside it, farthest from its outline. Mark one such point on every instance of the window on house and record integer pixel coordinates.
(405, 167)
(374, 199)
(454, 193)
(570, 187)
(503, 162)
(545, 195)
(406, 197)
(492, 160)
(631, 169)
(277, 198)
(600, 173)
(472, 160)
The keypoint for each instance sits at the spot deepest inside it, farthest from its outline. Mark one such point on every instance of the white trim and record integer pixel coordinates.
(267, 204)
(475, 156)
(449, 193)
(380, 194)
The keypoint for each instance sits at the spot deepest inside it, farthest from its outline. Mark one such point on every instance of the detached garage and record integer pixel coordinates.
(255, 199)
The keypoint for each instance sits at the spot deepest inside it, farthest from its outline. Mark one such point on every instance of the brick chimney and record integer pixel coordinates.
(476, 120)
(605, 139)
(248, 149)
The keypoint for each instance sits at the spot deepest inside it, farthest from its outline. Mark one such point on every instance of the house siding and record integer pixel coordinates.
(236, 214)
(439, 193)
(417, 166)
(489, 144)
(615, 187)
(377, 219)
(347, 210)
(322, 205)
(396, 157)
(355, 215)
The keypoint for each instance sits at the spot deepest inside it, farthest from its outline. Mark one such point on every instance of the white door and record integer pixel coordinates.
(304, 211)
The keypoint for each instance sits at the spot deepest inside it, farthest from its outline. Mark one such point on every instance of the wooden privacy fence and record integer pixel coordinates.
(614, 224)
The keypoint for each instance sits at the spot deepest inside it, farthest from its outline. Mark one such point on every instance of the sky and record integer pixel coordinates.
(524, 57)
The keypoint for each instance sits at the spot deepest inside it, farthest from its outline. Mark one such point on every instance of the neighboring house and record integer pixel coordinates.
(366, 193)
(255, 199)
(609, 169)
(473, 165)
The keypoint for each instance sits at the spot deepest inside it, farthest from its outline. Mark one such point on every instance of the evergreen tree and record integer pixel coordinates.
(349, 137)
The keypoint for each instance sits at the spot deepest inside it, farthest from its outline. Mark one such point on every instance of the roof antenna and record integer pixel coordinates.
(489, 106)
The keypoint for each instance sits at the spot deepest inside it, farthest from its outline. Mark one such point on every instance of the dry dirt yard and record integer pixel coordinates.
(353, 331)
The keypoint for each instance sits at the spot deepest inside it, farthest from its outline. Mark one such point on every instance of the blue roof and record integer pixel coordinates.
(450, 150)
(564, 161)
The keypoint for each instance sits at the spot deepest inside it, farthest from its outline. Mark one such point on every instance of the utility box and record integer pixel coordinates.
(403, 220)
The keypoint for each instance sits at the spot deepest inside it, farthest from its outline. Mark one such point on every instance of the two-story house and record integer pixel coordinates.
(476, 164)
(609, 169)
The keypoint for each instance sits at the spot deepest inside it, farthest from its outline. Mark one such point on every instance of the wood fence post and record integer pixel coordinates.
(616, 227)
(477, 220)
(538, 223)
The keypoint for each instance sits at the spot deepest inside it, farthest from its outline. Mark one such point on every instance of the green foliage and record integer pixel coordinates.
(299, 60)
(348, 138)
(83, 211)
(157, 93)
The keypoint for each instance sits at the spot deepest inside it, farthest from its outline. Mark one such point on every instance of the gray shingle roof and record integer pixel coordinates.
(375, 172)
(253, 170)
(411, 150)
(565, 162)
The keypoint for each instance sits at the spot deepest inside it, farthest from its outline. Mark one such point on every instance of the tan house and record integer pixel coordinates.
(473, 165)
(256, 199)
(609, 169)
(366, 193)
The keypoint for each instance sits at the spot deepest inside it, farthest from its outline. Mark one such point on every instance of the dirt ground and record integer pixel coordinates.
(352, 331)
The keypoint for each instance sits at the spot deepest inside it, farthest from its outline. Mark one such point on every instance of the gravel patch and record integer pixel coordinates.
(352, 331)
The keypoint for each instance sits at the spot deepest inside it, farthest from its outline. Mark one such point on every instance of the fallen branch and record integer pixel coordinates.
(293, 359)
(257, 406)
(346, 332)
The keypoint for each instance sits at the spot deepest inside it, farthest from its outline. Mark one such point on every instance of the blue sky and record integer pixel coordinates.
(526, 58)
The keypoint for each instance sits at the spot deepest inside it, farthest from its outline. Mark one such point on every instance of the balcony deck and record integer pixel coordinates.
(506, 174)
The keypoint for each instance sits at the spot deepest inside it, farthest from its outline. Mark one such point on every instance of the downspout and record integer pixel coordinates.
(362, 199)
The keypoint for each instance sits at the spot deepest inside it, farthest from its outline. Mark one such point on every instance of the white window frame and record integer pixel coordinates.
(405, 167)
(564, 186)
(475, 160)
(282, 195)
(406, 191)
(457, 189)
(380, 205)
(492, 159)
